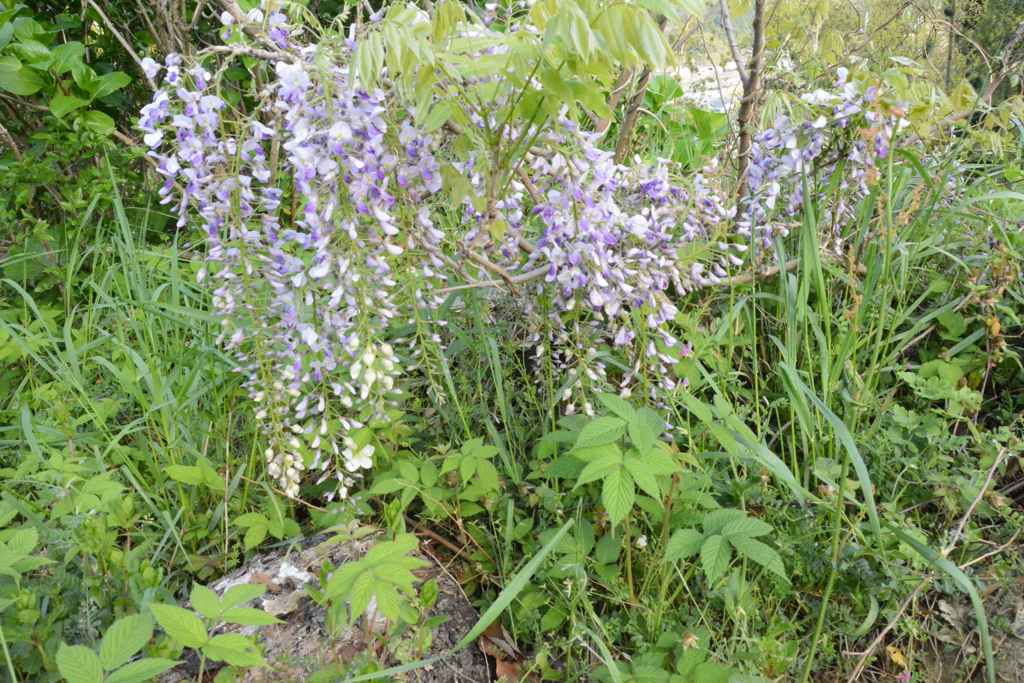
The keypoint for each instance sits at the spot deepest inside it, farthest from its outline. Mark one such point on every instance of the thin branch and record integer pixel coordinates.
(967, 515)
(730, 34)
(120, 38)
(8, 141)
(892, 622)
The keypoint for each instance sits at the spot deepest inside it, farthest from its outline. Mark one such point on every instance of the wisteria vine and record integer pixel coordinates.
(326, 208)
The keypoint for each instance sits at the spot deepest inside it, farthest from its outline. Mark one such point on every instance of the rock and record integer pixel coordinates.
(301, 646)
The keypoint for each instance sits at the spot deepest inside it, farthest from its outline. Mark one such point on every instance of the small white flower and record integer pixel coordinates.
(641, 542)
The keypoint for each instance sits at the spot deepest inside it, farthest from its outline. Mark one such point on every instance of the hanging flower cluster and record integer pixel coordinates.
(849, 130)
(322, 207)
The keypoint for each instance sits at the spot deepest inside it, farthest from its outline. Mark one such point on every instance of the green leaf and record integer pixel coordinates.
(578, 32)
(361, 594)
(340, 584)
(142, 670)
(388, 551)
(662, 7)
(67, 55)
(653, 421)
(180, 624)
(27, 28)
(599, 468)
(235, 649)
(25, 81)
(428, 593)
(205, 601)
(747, 527)
(714, 556)
(242, 593)
(643, 476)
(186, 474)
(85, 77)
(249, 519)
(436, 118)
(601, 431)
(124, 638)
(642, 436)
(512, 589)
(618, 494)
(99, 122)
(684, 543)
(716, 519)
(255, 535)
(62, 104)
(389, 602)
(428, 474)
(761, 554)
(487, 473)
(112, 82)
(618, 405)
(467, 469)
(249, 616)
(79, 664)
(660, 462)
(6, 33)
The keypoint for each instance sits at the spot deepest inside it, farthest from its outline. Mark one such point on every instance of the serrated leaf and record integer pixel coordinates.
(660, 462)
(124, 638)
(565, 467)
(600, 468)
(361, 594)
(608, 548)
(389, 602)
(747, 527)
(642, 436)
(714, 557)
(762, 554)
(235, 649)
(487, 474)
(428, 474)
(205, 601)
(601, 431)
(255, 535)
(249, 616)
(139, 671)
(716, 519)
(643, 476)
(79, 664)
(143, 670)
(340, 584)
(683, 544)
(618, 405)
(388, 551)
(618, 494)
(242, 593)
(180, 624)
(653, 421)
